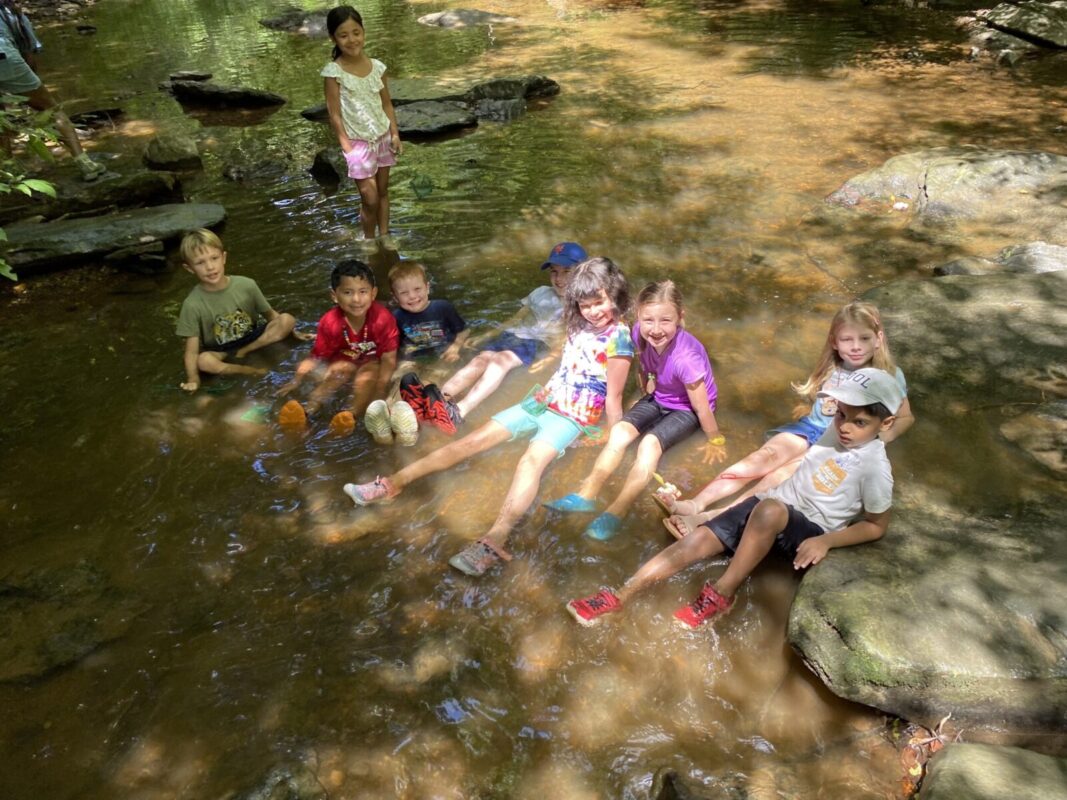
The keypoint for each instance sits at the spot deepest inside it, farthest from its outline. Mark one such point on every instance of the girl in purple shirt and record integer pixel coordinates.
(676, 377)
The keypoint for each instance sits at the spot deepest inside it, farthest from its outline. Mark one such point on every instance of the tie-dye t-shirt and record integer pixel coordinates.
(579, 388)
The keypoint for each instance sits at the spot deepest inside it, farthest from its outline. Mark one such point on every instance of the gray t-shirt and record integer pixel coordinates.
(547, 310)
(219, 318)
(834, 486)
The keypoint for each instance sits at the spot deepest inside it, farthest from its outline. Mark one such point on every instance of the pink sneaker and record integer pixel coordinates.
(365, 493)
(589, 610)
(707, 604)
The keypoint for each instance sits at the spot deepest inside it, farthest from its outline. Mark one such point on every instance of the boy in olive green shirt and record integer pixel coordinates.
(223, 315)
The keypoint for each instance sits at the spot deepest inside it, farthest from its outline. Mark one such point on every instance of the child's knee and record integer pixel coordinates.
(649, 449)
(208, 362)
(286, 322)
(770, 517)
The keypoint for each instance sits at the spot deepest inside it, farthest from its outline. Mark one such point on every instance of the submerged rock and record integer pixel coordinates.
(190, 75)
(432, 117)
(75, 196)
(32, 248)
(464, 17)
(299, 20)
(1032, 257)
(1041, 433)
(287, 782)
(946, 183)
(986, 772)
(213, 95)
(172, 151)
(51, 618)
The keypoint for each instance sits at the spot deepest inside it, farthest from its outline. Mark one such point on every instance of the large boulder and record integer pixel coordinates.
(947, 183)
(1041, 433)
(213, 95)
(33, 248)
(464, 18)
(75, 196)
(172, 151)
(1031, 257)
(986, 772)
(1041, 22)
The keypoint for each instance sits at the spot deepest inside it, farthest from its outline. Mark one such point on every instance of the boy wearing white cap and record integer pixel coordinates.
(839, 496)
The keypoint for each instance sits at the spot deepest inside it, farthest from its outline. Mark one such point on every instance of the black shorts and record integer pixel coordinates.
(669, 425)
(730, 524)
(237, 344)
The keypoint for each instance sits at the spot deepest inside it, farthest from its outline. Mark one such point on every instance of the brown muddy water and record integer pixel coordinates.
(254, 619)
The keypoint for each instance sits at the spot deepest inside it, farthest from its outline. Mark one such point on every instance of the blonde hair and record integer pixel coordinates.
(860, 314)
(659, 292)
(195, 241)
(407, 269)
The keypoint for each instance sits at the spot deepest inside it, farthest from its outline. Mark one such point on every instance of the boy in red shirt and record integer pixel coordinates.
(357, 339)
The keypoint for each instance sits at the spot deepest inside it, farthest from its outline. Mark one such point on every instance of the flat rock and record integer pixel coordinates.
(434, 117)
(213, 95)
(75, 196)
(33, 248)
(51, 618)
(1043, 23)
(946, 183)
(299, 20)
(329, 166)
(946, 613)
(464, 18)
(190, 75)
(987, 772)
(523, 86)
(1041, 433)
(1032, 257)
(172, 151)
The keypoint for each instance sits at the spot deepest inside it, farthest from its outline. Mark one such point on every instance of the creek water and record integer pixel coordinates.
(262, 621)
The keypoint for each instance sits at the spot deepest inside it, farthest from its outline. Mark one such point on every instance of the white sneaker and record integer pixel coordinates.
(404, 423)
(377, 422)
(388, 242)
(89, 169)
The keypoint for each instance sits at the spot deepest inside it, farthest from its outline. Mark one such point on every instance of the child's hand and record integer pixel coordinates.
(190, 386)
(714, 453)
(540, 364)
(395, 144)
(810, 552)
(450, 354)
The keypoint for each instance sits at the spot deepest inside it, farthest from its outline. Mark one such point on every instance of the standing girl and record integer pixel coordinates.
(362, 116)
(680, 395)
(587, 386)
(856, 340)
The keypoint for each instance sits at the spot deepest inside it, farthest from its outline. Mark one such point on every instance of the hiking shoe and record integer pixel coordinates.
(707, 604)
(365, 493)
(477, 557)
(589, 610)
(572, 503)
(292, 415)
(404, 423)
(413, 393)
(88, 168)
(377, 423)
(343, 423)
(603, 527)
(437, 410)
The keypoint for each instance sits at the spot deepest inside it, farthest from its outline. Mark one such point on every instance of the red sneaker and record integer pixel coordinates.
(437, 413)
(589, 610)
(413, 393)
(707, 604)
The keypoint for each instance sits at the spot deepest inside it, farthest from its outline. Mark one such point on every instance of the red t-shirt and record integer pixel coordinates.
(337, 341)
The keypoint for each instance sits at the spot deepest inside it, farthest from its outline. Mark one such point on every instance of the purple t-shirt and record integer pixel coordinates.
(683, 361)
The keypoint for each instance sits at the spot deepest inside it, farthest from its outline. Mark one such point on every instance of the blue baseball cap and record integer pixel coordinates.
(566, 255)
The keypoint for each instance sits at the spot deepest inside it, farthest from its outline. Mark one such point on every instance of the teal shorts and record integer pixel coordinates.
(555, 430)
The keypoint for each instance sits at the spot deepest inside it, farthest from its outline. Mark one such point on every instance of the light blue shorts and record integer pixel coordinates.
(802, 428)
(16, 77)
(555, 430)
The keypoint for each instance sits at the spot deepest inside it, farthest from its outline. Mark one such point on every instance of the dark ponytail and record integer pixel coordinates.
(334, 20)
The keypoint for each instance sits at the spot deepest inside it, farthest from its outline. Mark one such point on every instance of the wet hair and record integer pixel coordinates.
(336, 18)
(15, 21)
(407, 269)
(658, 292)
(351, 268)
(195, 241)
(589, 278)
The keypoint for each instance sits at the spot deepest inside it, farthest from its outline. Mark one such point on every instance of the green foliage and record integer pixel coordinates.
(33, 132)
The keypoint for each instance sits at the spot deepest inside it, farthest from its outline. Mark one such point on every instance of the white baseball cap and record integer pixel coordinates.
(868, 386)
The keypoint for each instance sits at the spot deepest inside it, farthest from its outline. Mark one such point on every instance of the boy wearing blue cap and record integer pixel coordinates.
(525, 336)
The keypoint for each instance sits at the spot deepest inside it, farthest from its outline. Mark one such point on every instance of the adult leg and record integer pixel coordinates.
(368, 205)
(41, 99)
(768, 519)
(382, 179)
(363, 384)
(699, 545)
(488, 436)
(523, 490)
(337, 375)
(649, 453)
(620, 437)
(276, 330)
(214, 363)
(500, 364)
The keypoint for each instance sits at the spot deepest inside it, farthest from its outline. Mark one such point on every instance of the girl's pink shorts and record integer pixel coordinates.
(365, 158)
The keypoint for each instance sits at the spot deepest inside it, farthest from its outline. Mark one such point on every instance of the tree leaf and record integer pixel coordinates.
(7, 272)
(44, 187)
